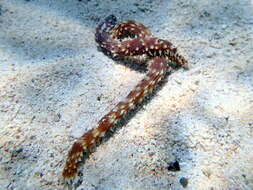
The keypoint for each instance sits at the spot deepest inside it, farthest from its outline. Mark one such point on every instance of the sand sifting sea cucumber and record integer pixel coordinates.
(125, 40)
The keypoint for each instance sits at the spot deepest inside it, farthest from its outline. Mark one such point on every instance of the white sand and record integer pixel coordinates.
(51, 75)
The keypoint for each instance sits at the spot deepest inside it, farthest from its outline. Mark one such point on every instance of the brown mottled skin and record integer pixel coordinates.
(110, 37)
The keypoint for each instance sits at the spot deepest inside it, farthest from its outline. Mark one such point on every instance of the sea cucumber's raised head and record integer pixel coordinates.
(103, 29)
(107, 24)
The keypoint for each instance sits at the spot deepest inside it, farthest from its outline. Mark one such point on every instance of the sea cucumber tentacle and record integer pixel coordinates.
(158, 54)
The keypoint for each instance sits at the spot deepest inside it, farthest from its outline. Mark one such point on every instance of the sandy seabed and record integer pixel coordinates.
(55, 85)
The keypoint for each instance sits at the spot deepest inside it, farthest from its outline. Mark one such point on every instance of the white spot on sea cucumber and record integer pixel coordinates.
(138, 88)
(146, 90)
(122, 112)
(102, 134)
(131, 105)
(112, 120)
(92, 141)
(112, 116)
(152, 82)
(140, 100)
(95, 132)
(138, 94)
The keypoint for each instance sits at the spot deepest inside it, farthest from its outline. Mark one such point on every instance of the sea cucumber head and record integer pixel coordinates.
(107, 24)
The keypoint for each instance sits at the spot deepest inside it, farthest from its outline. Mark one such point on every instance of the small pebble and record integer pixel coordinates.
(174, 166)
(183, 181)
(57, 117)
(19, 150)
